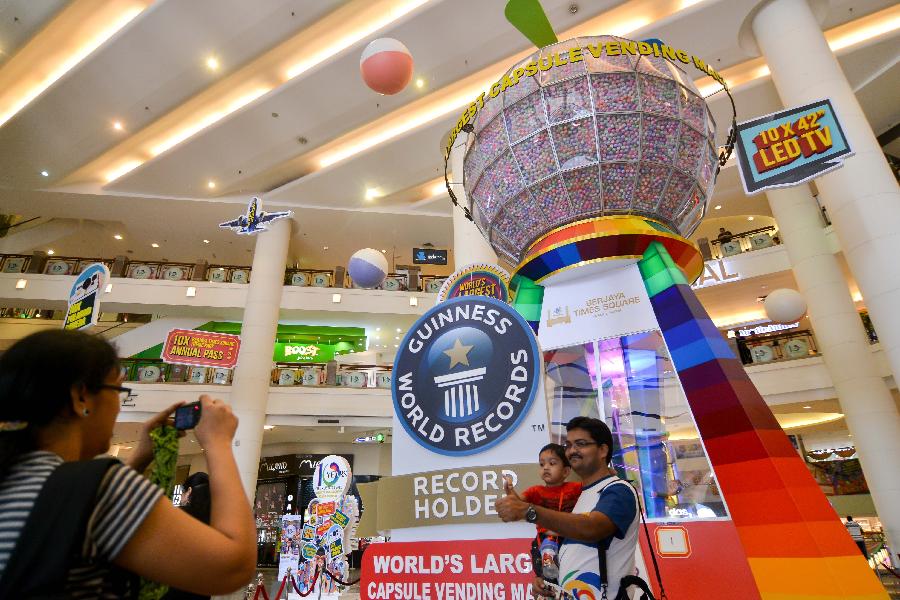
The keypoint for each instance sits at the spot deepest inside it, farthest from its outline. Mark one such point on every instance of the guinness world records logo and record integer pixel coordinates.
(465, 375)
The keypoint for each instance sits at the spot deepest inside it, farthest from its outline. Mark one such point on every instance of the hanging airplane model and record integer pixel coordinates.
(252, 221)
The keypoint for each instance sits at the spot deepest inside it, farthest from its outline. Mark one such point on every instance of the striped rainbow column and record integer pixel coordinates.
(795, 544)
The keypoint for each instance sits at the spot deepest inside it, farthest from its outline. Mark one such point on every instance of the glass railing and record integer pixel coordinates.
(283, 374)
(777, 347)
(178, 271)
(740, 243)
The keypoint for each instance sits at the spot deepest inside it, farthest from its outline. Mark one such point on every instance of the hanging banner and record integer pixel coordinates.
(790, 147)
(84, 298)
(478, 279)
(204, 348)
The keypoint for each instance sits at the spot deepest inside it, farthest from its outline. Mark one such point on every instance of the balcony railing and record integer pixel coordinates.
(201, 271)
(283, 374)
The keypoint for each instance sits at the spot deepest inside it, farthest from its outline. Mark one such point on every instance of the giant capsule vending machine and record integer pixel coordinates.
(588, 176)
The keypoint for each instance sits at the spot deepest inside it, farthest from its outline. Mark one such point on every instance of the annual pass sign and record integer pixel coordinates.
(790, 147)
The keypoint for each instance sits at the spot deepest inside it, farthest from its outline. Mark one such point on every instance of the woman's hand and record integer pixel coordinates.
(217, 423)
(142, 456)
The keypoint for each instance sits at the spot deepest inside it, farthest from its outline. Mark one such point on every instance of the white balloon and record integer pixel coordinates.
(785, 306)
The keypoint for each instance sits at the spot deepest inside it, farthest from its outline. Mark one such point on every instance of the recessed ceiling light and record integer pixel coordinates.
(117, 125)
(718, 207)
(117, 236)
(439, 188)
(807, 407)
(51, 252)
(749, 218)
(205, 241)
(378, 329)
(212, 63)
(372, 193)
(211, 184)
(420, 83)
(45, 173)
(397, 337)
(268, 427)
(383, 251)
(399, 330)
(154, 245)
(324, 247)
(396, 346)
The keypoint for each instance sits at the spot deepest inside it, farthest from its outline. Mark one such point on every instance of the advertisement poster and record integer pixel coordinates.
(204, 348)
(448, 570)
(291, 543)
(790, 147)
(479, 279)
(84, 298)
(839, 477)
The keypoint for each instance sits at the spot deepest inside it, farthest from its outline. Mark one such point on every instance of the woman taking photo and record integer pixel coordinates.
(60, 393)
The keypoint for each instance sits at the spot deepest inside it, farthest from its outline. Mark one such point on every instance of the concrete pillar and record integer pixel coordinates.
(469, 246)
(250, 387)
(862, 197)
(865, 399)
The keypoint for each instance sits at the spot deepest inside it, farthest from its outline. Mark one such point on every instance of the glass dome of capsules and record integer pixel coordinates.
(614, 135)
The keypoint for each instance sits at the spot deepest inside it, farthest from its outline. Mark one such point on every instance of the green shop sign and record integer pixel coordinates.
(302, 352)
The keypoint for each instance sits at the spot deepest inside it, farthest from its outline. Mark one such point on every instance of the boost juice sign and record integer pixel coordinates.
(203, 348)
(460, 570)
(790, 147)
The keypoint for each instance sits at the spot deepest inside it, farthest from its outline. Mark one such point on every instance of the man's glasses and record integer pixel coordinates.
(124, 392)
(580, 444)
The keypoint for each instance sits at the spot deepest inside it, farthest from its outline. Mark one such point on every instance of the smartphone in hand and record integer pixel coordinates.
(187, 416)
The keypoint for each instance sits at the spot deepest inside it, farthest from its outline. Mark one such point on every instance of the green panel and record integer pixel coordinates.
(151, 352)
(659, 270)
(529, 18)
(528, 299)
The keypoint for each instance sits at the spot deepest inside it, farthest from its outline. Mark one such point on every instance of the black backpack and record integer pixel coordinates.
(51, 540)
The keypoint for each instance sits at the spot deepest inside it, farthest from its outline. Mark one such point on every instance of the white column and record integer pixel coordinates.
(469, 246)
(865, 399)
(862, 197)
(250, 387)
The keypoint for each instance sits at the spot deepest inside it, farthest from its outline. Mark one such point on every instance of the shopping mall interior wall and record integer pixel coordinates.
(368, 459)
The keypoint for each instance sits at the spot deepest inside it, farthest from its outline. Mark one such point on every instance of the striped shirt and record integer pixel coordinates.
(124, 499)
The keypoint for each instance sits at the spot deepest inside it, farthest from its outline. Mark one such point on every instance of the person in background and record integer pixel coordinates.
(60, 394)
(195, 501)
(856, 532)
(724, 236)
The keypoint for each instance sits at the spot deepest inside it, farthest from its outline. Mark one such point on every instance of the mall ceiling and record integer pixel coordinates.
(155, 120)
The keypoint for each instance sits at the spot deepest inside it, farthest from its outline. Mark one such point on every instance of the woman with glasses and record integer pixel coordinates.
(60, 393)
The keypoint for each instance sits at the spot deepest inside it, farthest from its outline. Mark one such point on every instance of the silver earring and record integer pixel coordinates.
(85, 412)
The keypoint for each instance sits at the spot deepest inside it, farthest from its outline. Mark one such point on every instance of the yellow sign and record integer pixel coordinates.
(574, 55)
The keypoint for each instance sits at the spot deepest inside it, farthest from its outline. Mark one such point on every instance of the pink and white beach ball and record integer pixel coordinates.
(386, 66)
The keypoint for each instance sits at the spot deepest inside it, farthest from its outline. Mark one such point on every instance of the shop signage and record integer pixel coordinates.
(429, 256)
(465, 375)
(560, 58)
(770, 328)
(790, 147)
(588, 309)
(459, 569)
(204, 348)
(716, 272)
(84, 297)
(300, 465)
(479, 279)
(299, 352)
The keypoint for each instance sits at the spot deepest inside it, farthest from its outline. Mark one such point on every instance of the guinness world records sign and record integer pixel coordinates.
(477, 279)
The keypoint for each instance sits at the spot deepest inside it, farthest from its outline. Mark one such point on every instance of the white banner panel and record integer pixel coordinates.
(599, 306)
